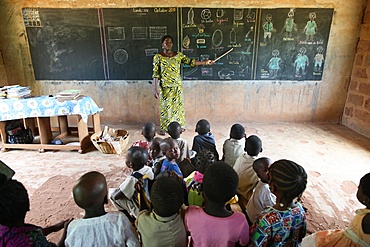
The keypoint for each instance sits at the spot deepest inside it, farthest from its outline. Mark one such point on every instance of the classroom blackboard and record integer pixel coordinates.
(295, 46)
(207, 33)
(64, 43)
(133, 38)
(119, 44)
(268, 44)
(96, 44)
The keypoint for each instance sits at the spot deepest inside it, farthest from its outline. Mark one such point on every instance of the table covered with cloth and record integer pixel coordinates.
(45, 106)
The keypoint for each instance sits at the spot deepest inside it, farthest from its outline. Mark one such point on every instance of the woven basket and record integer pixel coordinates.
(111, 147)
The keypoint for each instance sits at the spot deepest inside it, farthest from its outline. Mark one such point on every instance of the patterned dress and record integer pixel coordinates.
(23, 236)
(353, 236)
(279, 228)
(167, 70)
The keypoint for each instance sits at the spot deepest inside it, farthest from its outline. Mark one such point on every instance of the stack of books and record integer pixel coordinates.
(70, 94)
(17, 92)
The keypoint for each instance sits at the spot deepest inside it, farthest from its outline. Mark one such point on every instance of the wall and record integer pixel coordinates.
(357, 108)
(218, 101)
(3, 79)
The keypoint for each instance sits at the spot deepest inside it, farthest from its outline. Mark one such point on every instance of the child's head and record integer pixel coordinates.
(287, 177)
(170, 148)
(237, 131)
(136, 158)
(174, 130)
(203, 159)
(203, 127)
(260, 166)
(166, 196)
(363, 192)
(154, 149)
(148, 131)
(14, 202)
(90, 192)
(253, 145)
(220, 182)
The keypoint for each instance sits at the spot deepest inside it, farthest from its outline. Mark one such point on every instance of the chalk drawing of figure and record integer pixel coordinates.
(268, 28)
(311, 27)
(190, 17)
(301, 62)
(318, 59)
(274, 64)
(289, 25)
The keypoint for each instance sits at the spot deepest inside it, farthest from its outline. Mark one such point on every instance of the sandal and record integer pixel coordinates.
(162, 132)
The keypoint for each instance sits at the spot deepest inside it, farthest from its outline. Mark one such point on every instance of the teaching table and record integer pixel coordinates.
(39, 110)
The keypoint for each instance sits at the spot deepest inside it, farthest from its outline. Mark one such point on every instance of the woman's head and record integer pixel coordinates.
(220, 182)
(14, 202)
(287, 177)
(167, 42)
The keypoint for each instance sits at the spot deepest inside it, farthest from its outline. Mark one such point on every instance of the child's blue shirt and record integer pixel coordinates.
(169, 166)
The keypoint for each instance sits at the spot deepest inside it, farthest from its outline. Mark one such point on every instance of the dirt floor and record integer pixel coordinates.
(334, 157)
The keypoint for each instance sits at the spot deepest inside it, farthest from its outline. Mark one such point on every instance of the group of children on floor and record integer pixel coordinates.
(177, 196)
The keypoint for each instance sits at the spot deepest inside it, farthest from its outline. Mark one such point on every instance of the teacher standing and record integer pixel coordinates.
(168, 83)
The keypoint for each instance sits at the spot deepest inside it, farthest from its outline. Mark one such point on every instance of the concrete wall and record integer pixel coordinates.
(218, 101)
(357, 108)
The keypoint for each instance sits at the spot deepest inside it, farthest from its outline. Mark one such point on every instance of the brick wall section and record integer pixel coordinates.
(356, 113)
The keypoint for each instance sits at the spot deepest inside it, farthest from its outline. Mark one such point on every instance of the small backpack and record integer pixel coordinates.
(141, 196)
(195, 196)
(17, 134)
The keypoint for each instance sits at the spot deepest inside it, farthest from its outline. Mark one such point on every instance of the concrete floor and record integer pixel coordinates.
(334, 157)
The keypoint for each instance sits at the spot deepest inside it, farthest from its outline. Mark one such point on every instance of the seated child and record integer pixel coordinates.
(170, 149)
(97, 227)
(163, 226)
(204, 139)
(244, 168)
(358, 232)
(284, 224)
(214, 225)
(125, 197)
(194, 181)
(155, 152)
(14, 205)
(234, 146)
(148, 132)
(174, 130)
(262, 196)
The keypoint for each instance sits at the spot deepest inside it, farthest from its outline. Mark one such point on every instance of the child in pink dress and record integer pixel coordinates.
(213, 224)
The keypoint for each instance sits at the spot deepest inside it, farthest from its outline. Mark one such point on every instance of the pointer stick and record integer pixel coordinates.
(223, 55)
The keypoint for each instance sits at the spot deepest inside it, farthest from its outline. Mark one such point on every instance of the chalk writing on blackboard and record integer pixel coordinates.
(31, 17)
(151, 52)
(116, 33)
(157, 32)
(139, 33)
